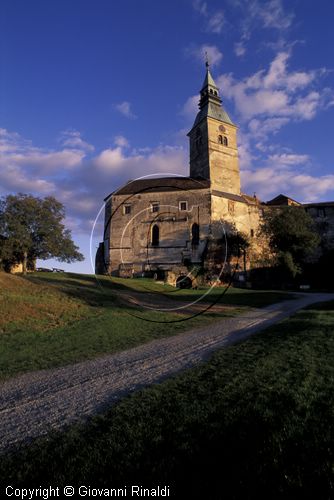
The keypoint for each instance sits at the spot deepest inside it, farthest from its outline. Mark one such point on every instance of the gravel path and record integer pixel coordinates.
(34, 403)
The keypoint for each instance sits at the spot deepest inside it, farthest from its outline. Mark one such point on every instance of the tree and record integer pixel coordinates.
(31, 228)
(292, 237)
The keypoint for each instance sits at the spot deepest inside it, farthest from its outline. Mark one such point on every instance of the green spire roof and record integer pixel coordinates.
(210, 103)
(209, 81)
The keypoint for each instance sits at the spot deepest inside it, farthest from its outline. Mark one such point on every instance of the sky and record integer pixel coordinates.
(96, 92)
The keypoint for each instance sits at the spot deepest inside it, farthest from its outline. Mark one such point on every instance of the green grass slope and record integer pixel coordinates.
(49, 319)
(256, 420)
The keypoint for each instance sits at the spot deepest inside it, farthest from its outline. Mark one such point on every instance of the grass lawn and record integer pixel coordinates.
(256, 419)
(49, 319)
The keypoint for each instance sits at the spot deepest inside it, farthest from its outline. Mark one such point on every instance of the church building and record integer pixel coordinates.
(164, 225)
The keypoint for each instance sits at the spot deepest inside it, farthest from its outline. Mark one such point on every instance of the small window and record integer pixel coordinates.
(183, 205)
(231, 207)
(220, 139)
(155, 235)
(252, 233)
(225, 141)
(155, 207)
(127, 209)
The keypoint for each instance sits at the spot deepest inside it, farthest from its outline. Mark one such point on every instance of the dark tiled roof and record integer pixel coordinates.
(213, 111)
(320, 204)
(162, 184)
(235, 197)
(281, 199)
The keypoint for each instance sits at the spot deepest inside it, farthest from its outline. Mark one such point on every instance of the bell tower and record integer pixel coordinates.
(213, 141)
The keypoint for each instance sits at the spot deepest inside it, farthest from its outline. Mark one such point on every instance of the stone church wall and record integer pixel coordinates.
(131, 245)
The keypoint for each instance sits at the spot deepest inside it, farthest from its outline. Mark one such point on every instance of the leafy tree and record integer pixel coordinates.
(226, 249)
(292, 236)
(32, 228)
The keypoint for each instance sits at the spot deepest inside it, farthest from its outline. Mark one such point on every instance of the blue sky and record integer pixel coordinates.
(93, 93)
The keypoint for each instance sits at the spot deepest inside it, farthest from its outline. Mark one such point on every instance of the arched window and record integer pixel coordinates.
(225, 141)
(195, 234)
(220, 139)
(155, 235)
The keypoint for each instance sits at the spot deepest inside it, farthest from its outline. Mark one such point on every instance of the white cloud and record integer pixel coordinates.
(255, 15)
(214, 19)
(272, 14)
(125, 109)
(110, 159)
(121, 141)
(216, 22)
(274, 92)
(72, 139)
(16, 151)
(29, 169)
(288, 178)
(127, 166)
(246, 156)
(13, 178)
(288, 159)
(190, 107)
(200, 7)
(239, 48)
(201, 52)
(261, 128)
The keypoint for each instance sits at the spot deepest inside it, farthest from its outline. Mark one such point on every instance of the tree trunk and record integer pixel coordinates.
(24, 263)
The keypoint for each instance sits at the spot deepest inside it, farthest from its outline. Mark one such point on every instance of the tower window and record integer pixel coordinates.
(225, 141)
(183, 205)
(220, 139)
(195, 234)
(155, 235)
(127, 209)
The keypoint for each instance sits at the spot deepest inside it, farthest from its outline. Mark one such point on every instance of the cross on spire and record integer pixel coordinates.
(207, 62)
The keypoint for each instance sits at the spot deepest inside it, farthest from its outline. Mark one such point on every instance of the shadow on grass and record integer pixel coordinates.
(83, 287)
(103, 291)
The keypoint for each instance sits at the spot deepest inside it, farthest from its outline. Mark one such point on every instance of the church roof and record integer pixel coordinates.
(319, 204)
(208, 80)
(210, 103)
(243, 198)
(213, 111)
(162, 184)
(281, 199)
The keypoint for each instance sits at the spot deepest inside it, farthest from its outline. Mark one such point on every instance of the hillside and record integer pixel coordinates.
(50, 319)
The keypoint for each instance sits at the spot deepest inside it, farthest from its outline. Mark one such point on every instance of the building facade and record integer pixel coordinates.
(173, 226)
(165, 225)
